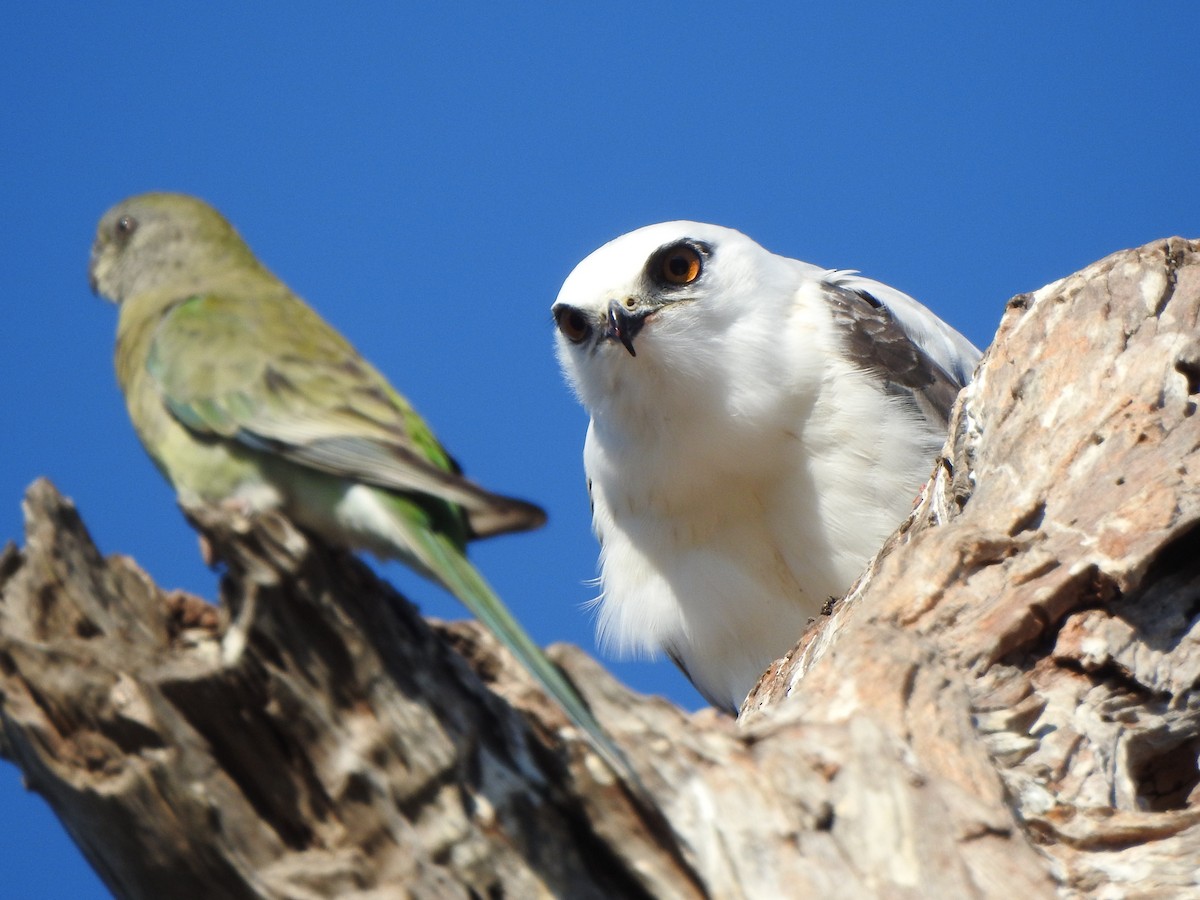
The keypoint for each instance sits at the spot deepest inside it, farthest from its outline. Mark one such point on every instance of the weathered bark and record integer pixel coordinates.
(1005, 706)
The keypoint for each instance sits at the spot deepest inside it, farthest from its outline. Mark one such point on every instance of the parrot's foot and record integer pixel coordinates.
(237, 511)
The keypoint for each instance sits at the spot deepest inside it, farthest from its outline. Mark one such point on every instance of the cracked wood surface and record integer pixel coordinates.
(1004, 706)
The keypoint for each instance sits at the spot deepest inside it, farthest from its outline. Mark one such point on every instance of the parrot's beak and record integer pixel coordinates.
(93, 265)
(624, 325)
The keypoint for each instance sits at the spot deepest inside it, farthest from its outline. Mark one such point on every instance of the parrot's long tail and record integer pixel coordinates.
(448, 564)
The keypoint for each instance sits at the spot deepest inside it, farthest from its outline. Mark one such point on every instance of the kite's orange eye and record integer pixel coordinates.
(572, 323)
(679, 265)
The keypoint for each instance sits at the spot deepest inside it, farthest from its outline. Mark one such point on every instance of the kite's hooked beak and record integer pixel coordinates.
(624, 325)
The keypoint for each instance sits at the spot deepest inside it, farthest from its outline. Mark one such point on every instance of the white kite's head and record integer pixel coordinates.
(666, 296)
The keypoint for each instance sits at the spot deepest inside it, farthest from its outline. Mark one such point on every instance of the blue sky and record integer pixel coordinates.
(427, 180)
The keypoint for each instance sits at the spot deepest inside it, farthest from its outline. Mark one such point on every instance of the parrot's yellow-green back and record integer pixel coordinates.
(242, 394)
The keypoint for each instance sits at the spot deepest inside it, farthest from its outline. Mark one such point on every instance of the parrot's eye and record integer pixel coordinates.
(572, 323)
(678, 265)
(126, 225)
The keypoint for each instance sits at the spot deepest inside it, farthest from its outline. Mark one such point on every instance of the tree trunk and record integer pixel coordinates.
(1004, 706)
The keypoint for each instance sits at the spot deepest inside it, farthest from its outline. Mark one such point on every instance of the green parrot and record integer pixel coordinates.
(243, 395)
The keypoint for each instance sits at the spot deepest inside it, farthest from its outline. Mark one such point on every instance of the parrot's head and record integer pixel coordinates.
(649, 312)
(160, 241)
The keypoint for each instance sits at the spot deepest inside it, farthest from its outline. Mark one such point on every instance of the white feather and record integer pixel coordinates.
(743, 470)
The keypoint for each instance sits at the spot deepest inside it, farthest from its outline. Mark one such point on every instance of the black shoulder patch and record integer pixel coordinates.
(876, 343)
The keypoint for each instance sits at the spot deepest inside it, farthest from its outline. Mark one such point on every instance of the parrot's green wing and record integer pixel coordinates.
(269, 373)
